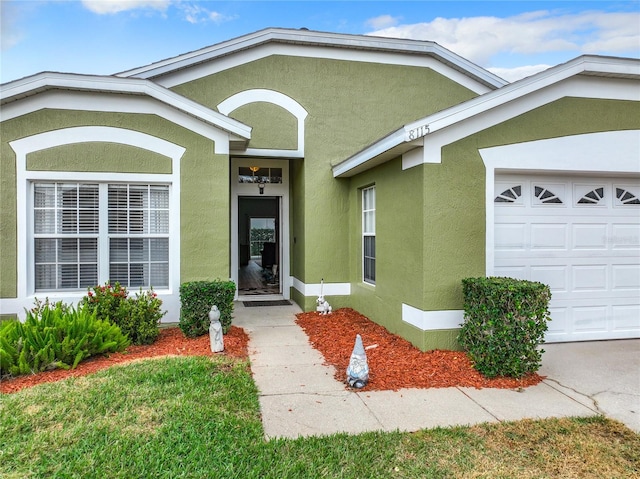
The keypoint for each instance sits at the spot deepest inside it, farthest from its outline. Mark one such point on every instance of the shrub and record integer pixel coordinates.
(137, 317)
(505, 322)
(109, 302)
(196, 299)
(55, 336)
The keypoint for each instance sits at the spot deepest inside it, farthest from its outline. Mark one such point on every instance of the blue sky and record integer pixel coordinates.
(511, 38)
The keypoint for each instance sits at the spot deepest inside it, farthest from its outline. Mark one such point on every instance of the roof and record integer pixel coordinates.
(419, 132)
(317, 39)
(26, 87)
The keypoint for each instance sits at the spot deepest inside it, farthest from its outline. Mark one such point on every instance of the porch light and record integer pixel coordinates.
(261, 183)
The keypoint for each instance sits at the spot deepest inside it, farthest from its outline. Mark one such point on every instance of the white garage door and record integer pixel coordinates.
(581, 236)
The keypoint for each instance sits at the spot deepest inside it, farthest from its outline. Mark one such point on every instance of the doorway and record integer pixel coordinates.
(259, 246)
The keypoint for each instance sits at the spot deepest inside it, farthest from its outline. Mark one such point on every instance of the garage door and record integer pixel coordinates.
(581, 236)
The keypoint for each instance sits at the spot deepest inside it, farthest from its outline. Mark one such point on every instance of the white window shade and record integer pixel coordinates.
(66, 223)
(67, 229)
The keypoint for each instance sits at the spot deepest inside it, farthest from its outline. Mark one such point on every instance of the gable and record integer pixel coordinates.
(310, 44)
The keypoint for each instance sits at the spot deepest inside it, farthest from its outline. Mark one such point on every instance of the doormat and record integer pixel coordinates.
(277, 302)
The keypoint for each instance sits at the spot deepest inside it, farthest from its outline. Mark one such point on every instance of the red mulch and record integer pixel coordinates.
(170, 342)
(394, 363)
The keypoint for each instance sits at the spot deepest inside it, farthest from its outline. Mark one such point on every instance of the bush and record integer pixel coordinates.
(137, 317)
(196, 299)
(57, 336)
(505, 322)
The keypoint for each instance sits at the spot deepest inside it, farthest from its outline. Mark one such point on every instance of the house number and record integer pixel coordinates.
(418, 132)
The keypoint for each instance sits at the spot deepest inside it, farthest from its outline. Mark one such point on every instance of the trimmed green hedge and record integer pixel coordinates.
(55, 337)
(196, 299)
(505, 322)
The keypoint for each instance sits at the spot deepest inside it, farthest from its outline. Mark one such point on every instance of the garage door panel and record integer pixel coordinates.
(556, 277)
(548, 236)
(626, 277)
(511, 236)
(592, 277)
(590, 318)
(558, 324)
(625, 236)
(584, 242)
(589, 236)
(626, 317)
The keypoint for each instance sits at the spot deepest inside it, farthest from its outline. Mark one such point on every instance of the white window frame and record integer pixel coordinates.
(24, 177)
(368, 232)
(104, 236)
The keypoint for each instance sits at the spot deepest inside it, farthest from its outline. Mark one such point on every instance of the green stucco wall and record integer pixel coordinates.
(436, 213)
(204, 183)
(271, 126)
(349, 105)
(98, 157)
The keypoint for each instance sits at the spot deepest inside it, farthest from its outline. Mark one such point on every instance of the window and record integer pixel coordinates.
(81, 241)
(259, 174)
(65, 235)
(369, 235)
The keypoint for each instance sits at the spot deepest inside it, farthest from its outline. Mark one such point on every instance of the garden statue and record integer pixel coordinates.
(358, 370)
(323, 306)
(215, 330)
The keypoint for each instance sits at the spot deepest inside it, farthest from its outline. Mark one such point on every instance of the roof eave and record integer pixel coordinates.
(316, 38)
(25, 87)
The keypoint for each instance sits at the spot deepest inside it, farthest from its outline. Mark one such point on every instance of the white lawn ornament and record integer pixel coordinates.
(322, 305)
(215, 330)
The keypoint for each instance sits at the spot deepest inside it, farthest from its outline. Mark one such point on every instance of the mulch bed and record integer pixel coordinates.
(170, 342)
(394, 363)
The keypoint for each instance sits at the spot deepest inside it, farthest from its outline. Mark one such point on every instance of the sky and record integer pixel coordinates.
(512, 39)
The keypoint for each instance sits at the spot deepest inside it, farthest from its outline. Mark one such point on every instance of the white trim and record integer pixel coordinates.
(83, 134)
(269, 96)
(578, 154)
(275, 41)
(24, 177)
(328, 289)
(432, 320)
(101, 87)
(101, 102)
(251, 189)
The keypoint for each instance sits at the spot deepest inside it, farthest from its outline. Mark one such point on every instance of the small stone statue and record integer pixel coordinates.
(323, 305)
(215, 330)
(358, 369)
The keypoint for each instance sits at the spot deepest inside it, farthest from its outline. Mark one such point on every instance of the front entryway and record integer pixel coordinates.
(260, 242)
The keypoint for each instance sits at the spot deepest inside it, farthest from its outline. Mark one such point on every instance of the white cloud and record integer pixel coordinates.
(195, 13)
(482, 39)
(10, 34)
(517, 73)
(116, 6)
(383, 21)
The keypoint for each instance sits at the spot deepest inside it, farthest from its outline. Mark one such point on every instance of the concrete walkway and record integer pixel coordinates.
(300, 397)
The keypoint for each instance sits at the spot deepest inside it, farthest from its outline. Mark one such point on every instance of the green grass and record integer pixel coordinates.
(198, 417)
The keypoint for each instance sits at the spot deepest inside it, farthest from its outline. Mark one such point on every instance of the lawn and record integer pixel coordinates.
(199, 417)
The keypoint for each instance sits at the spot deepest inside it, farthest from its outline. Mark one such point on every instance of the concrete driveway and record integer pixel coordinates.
(601, 374)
